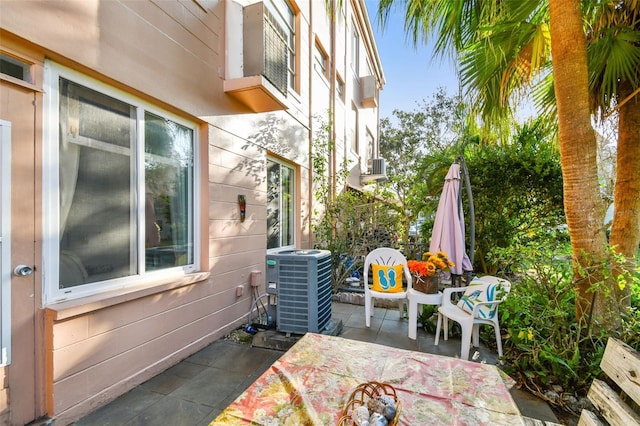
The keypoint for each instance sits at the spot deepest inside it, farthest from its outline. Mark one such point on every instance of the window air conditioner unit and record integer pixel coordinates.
(265, 49)
(256, 71)
(377, 171)
(369, 91)
(301, 282)
(378, 167)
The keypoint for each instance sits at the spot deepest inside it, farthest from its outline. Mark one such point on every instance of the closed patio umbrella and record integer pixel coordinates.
(448, 233)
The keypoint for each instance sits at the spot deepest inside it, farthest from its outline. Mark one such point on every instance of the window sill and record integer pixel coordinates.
(72, 308)
(18, 82)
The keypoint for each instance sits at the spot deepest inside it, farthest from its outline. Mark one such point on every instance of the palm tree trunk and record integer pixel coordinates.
(578, 149)
(625, 231)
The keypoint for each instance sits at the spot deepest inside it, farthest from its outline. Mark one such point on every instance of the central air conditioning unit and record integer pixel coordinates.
(300, 281)
(377, 171)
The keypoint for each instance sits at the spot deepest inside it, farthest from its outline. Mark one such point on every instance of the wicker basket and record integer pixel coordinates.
(427, 285)
(362, 394)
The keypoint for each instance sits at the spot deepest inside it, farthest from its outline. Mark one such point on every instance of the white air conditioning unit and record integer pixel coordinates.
(265, 46)
(301, 282)
(377, 171)
(256, 57)
(378, 166)
(369, 91)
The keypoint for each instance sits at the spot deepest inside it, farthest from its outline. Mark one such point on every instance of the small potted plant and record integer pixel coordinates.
(427, 272)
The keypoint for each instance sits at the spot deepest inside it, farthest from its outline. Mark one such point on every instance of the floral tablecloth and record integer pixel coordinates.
(312, 381)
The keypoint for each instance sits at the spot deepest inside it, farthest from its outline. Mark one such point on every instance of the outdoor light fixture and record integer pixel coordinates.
(242, 202)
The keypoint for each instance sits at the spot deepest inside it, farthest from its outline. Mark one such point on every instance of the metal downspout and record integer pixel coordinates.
(310, 172)
(332, 104)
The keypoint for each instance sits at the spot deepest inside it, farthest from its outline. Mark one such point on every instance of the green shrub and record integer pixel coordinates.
(517, 193)
(545, 348)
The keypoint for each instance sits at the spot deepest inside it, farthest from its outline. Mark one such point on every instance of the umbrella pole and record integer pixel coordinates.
(472, 214)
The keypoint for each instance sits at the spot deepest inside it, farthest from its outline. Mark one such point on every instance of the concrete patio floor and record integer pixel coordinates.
(196, 390)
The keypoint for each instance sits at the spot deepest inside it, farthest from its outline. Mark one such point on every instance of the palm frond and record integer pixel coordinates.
(613, 57)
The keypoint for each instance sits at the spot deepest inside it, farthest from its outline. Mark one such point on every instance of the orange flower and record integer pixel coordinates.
(417, 267)
(430, 265)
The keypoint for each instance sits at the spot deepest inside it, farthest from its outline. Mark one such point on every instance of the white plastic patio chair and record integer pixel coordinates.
(470, 322)
(384, 256)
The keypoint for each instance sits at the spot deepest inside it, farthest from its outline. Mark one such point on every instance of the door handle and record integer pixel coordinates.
(22, 270)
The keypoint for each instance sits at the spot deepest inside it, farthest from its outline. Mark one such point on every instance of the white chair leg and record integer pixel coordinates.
(368, 311)
(475, 335)
(498, 339)
(466, 342)
(413, 318)
(445, 326)
(438, 328)
(401, 308)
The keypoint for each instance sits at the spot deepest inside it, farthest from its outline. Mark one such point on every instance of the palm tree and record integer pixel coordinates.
(578, 150)
(503, 47)
(614, 57)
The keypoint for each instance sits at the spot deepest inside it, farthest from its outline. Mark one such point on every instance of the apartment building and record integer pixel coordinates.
(152, 154)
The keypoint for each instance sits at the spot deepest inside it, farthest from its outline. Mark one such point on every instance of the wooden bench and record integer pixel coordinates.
(621, 363)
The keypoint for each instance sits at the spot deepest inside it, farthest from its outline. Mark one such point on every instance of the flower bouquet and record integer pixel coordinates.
(426, 272)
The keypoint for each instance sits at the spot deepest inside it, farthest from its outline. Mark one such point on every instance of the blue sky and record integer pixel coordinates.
(411, 73)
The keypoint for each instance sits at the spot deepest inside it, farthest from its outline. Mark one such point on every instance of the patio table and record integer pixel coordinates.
(416, 298)
(312, 381)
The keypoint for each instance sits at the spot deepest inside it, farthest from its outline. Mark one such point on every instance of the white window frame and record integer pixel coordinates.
(25, 67)
(322, 59)
(354, 121)
(294, 216)
(370, 147)
(355, 51)
(51, 256)
(5, 242)
(340, 87)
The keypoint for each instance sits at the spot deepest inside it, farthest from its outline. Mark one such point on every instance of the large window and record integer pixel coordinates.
(280, 205)
(120, 189)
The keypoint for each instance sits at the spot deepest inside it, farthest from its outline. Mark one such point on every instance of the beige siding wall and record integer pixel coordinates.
(159, 48)
(4, 397)
(99, 355)
(239, 149)
(236, 167)
(171, 53)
